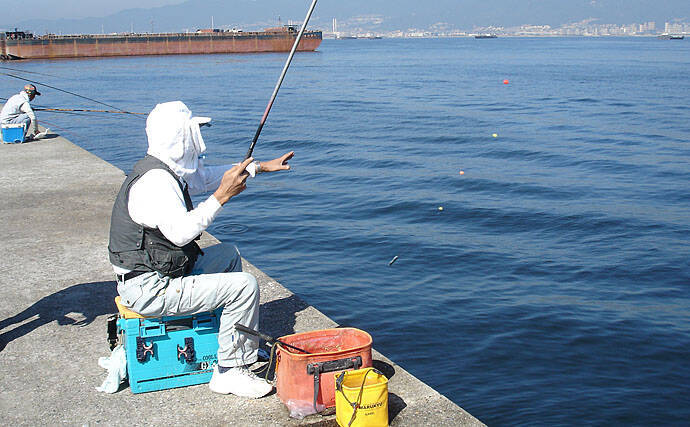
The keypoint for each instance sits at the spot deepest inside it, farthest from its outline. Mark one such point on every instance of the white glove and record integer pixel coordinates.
(251, 168)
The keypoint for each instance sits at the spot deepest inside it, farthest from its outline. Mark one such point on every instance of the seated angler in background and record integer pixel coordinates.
(159, 267)
(17, 110)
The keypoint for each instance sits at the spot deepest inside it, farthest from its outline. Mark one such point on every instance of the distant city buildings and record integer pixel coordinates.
(586, 28)
(677, 28)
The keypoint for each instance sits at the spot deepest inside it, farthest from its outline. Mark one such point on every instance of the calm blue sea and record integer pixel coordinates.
(553, 286)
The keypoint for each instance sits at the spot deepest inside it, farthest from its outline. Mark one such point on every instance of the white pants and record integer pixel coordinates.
(216, 281)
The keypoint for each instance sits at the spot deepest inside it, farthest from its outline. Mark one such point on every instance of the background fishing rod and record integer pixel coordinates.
(280, 80)
(68, 92)
(60, 110)
(80, 110)
(28, 72)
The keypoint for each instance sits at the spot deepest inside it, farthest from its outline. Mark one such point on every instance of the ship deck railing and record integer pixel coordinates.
(187, 34)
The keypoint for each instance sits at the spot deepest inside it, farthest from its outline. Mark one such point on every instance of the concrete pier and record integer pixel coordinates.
(57, 288)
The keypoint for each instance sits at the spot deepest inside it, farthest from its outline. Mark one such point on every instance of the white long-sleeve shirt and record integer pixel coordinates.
(16, 105)
(156, 201)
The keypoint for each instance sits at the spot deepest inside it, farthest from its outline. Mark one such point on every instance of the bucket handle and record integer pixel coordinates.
(318, 368)
(355, 405)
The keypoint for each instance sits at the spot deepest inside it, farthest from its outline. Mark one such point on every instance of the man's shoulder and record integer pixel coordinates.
(16, 98)
(153, 189)
(156, 181)
(158, 176)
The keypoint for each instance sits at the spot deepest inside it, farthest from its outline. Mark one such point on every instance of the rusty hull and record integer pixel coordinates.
(51, 47)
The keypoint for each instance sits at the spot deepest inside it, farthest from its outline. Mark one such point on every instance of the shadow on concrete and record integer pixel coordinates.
(46, 137)
(395, 402)
(395, 406)
(385, 368)
(278, 317)
(89, 300)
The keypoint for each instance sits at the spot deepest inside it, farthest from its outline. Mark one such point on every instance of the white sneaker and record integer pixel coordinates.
(239, 381)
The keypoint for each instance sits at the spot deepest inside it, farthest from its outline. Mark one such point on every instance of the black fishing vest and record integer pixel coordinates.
(139, 248)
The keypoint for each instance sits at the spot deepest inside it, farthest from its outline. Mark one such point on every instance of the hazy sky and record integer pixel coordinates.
(65, 16)
(18, 10)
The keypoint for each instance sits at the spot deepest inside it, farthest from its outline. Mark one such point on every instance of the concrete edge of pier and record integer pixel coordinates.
(57, 289)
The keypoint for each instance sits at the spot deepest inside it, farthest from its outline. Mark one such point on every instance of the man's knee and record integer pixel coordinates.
(245, 285)
(251, 284)
(22, 118)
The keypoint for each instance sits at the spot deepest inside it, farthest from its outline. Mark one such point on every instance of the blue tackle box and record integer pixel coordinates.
(167, 352)
(12, 133)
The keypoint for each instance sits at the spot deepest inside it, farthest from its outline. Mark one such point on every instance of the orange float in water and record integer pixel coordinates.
(505, 82)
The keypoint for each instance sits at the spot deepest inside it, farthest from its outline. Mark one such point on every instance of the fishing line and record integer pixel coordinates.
(280, 80)
(53, 125)
(29, 72)
(66, 91)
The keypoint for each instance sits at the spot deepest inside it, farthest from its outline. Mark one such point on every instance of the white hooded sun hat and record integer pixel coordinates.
(175, 138)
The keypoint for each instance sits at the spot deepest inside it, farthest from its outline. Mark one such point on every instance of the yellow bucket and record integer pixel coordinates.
(361, 398)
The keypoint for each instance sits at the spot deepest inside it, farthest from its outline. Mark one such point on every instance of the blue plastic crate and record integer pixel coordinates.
(12, 133)
(170, 352)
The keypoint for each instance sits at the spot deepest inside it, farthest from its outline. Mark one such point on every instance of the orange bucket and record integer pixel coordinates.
(306, 382)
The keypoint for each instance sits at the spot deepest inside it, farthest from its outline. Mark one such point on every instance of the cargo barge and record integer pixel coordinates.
(23, 45)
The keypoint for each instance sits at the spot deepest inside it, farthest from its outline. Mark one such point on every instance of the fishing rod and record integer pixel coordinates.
(66, 91)
(68, 113)
(86, 111)
(63, 110)
(280, 80)
(266, 338)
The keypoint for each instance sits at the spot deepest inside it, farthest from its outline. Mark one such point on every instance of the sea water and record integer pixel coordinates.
(546, 284)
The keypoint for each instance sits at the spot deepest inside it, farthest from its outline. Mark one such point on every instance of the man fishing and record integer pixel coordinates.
(159, 267)
(17, 110)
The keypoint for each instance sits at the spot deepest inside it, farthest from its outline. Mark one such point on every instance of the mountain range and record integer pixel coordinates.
(366, 15)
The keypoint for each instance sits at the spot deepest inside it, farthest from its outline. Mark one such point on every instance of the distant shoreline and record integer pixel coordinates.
(471, 36)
